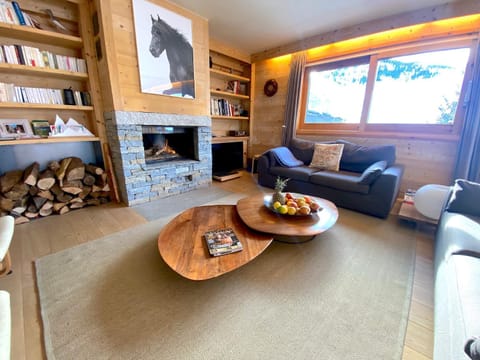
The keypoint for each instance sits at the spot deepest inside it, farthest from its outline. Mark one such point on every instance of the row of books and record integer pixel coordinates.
(222, 242)
(31, 56)
(223, 107)
(31, 95)
(235, 87)
(11, 13)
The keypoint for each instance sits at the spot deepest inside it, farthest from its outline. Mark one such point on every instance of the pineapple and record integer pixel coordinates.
(279, 186)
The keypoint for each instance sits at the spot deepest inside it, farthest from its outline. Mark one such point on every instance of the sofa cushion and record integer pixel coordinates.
(465, 198)
(327, 156)
(340, 181)
(302, 149)
(371, 173)
(301, 173)
(283, 156)
(358, 157)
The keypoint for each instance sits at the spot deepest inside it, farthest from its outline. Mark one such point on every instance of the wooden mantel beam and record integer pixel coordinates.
(445, 11)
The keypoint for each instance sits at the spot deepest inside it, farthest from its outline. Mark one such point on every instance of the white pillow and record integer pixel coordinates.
(327, 156)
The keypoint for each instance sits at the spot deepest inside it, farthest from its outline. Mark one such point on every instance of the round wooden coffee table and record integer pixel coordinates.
(183, 247)
(287, 228)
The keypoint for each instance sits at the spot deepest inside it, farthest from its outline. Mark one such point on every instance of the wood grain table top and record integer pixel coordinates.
(183, 248)
(256, 215)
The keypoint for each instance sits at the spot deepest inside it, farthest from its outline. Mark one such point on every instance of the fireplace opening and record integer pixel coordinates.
(168, 143)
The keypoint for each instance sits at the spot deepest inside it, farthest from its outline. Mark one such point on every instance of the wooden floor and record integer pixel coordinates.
(52, 234)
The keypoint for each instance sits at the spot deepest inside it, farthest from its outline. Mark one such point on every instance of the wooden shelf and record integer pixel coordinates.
(28, 33)
(13, 105)
(223, 117)
(229, 75)
(228, 139)
(49, 140)
(228, 94)
(42, 72)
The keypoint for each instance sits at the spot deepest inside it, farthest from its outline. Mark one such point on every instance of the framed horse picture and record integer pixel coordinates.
(164, 50)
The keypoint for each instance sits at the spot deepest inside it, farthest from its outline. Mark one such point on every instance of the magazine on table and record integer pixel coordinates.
(222, 242)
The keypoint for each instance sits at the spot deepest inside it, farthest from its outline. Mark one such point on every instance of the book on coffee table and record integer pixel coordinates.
(222, 242)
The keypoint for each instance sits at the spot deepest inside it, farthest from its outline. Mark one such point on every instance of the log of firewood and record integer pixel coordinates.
(75, 200)
(9, 179)
(60, 173)
(75, 170)
(101, 180)
(21, 220)
(31, 215)
(65, 198)
(46, 179)
(56, 190)
(33, 191)
(89, 179)
(31, 208)
(17, 192)
(30, 174)
(46, 194)
(17, 211)
(53, 165)
(72, 187)
(77, 205)
(64, 210)
(94, 170)
(57, 206)
(48, 205)
(6, 204)
(38, 202)
(45, 212)
(85, 192)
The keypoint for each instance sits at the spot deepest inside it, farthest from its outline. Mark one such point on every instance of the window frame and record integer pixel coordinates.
(363, 128)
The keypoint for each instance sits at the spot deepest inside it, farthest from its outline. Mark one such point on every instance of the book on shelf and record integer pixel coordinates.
(222, 241)
(409, 196)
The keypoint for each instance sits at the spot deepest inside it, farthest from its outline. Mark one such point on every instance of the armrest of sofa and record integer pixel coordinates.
(387, 186)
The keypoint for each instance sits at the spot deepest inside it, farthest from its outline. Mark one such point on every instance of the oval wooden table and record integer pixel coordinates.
(183, 248)
(286, 228)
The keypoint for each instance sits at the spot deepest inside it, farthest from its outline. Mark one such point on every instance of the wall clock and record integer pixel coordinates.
(271, 87)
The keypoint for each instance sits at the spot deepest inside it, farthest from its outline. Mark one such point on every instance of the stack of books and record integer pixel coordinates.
(409, 196)
(222, 242)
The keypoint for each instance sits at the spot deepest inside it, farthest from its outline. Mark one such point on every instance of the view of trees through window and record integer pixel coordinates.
(421, 88)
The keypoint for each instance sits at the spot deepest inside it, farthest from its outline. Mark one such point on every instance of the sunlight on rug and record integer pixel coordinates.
(343, 295)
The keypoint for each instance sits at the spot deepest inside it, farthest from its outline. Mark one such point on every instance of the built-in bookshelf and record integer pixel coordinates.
(230, 93)
(47, 71)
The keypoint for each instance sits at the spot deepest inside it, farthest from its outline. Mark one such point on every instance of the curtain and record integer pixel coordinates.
(293, 96)
(468, 157)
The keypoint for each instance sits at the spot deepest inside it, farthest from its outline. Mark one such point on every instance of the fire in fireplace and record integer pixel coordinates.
(168, 143)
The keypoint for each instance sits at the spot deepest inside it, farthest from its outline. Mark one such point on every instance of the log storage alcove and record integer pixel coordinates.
(62, 186)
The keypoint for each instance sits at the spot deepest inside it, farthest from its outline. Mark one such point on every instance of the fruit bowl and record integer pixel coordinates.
(295, 205)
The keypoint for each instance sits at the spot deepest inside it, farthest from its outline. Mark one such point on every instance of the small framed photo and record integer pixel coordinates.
(41, 128)
(14, 128)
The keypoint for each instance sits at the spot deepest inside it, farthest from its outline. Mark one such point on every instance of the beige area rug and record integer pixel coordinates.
(343, 295)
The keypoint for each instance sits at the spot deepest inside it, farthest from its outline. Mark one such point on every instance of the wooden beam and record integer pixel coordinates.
(445, 11)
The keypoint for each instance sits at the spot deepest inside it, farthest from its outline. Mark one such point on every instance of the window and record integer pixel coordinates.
(402, 90)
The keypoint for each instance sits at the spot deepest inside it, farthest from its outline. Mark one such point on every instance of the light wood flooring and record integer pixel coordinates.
(49, 235)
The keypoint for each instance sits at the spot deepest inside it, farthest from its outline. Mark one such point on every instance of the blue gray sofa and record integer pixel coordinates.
(457, 275)
(368, 180)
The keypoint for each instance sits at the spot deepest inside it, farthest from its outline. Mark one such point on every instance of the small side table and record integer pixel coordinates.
(254, 159)
(408, 212)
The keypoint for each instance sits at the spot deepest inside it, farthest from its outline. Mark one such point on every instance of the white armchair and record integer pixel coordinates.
(6, 233)
(5, 325)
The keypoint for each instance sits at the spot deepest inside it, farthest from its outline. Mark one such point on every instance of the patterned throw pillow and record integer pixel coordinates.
(327, 156)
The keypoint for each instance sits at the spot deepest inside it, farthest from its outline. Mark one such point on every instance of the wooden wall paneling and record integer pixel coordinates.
(120, 46)
(443, 11)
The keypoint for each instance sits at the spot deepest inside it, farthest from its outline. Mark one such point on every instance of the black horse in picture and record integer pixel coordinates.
(179, 54)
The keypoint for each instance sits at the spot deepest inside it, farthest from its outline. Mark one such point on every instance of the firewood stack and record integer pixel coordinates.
(61, 187)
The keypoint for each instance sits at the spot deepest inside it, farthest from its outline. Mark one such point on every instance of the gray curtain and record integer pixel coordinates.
(293, 96)
(468, 158)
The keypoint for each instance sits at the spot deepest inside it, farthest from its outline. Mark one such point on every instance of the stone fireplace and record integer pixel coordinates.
(159, 155)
